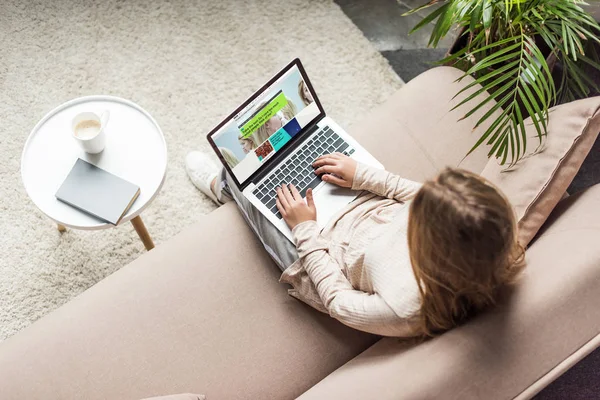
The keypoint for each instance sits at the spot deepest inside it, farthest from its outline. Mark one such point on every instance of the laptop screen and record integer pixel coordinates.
(266, 123)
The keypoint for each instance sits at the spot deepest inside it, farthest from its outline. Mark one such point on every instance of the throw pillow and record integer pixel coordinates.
(537, 183)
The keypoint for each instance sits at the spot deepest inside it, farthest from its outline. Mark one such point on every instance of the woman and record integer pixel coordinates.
(304, 93)
(228, 155)
(248, 144)
(276, 122)
(271, 126)
(403, 259)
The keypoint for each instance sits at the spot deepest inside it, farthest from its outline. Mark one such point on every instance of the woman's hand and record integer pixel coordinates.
(342, 167)
(292, 207)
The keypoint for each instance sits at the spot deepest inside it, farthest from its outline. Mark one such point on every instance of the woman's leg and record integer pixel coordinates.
(214, 182)
(281, 250)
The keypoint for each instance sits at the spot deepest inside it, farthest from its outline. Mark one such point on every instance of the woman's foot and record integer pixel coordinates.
(203, 173)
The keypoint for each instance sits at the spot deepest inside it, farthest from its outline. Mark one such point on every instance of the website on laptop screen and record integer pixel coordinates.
(270, 121)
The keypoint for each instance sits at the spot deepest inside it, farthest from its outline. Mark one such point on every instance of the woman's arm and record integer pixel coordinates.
(344, 171)
(357, 309)
(383, 183)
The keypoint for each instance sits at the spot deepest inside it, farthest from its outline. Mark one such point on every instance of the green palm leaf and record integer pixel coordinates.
(501, 50)
(527, 86)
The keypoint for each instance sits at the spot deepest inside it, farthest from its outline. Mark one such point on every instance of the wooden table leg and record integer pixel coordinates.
(61, 228)
(142, 232)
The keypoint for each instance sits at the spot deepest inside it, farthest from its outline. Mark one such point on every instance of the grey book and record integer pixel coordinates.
(97, 192)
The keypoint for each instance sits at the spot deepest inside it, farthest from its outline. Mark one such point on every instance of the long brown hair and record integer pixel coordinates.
(462, 238)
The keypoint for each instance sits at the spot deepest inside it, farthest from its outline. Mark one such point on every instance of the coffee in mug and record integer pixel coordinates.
(89, 131)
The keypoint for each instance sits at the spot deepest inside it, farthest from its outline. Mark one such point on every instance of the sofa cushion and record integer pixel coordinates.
(537, 183)
(201, 313)
(414, 133)
(552, 312)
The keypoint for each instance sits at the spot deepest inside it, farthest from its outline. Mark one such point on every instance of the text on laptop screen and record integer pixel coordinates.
(269, 122)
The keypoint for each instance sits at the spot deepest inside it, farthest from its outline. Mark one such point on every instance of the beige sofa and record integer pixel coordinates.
(204, 312)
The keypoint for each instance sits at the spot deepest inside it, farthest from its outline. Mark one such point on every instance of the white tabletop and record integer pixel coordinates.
(135, 151)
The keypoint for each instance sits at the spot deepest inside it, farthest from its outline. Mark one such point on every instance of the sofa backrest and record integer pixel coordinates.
(414, 133)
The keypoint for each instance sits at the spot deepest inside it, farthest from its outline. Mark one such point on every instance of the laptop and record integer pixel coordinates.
(274, 137)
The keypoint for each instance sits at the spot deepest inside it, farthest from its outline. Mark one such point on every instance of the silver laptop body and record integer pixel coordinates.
(273, 138)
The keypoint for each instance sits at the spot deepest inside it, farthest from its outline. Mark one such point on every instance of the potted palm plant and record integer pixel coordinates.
(528, 54)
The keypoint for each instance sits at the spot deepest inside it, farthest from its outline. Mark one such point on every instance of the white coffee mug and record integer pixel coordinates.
(89, 131)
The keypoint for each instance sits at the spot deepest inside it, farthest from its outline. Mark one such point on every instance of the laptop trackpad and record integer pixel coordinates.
(329, 199)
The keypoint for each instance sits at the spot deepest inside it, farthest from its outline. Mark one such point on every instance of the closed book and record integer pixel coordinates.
(97, 192)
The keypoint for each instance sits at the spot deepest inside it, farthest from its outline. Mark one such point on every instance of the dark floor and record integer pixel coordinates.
(381, 21)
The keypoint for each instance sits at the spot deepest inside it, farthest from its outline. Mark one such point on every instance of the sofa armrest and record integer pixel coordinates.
(549, 315)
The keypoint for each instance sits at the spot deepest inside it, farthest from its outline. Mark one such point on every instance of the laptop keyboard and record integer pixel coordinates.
(298, 169)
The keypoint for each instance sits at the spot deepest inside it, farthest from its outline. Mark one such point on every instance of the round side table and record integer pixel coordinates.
(135, 151)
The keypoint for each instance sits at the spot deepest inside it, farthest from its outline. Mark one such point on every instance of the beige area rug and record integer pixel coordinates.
(188, 63)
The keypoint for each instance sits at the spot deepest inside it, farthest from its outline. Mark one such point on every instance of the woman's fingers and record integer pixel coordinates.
(282, 199)
(324, 160)
(336, 154)
(310, 200)
(286, 193)
(295, 192)
(281, 208)
(332, 156)
(335, 180)
(327, 169)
